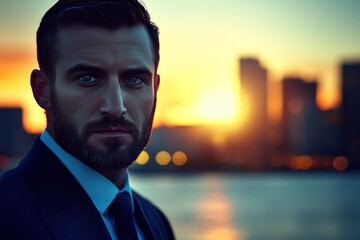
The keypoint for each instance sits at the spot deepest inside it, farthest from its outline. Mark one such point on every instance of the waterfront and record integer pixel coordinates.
(266, 206)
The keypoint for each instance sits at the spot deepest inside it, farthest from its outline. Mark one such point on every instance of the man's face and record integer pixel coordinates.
(104, 95)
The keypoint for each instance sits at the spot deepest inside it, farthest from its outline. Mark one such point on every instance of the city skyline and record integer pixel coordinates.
(204, 67)
(307, 137)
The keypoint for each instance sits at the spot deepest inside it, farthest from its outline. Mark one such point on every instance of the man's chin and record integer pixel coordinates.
(105, 158)
(102, 150)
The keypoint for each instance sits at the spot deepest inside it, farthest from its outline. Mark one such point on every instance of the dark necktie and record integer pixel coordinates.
(121, 210)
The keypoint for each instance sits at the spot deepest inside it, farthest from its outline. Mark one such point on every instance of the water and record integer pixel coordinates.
(267, 206)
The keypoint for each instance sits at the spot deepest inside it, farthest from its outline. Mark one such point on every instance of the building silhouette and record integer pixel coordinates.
(301, 117)
(252, 140)
(350, 86)
(14, 140)
(331, 133)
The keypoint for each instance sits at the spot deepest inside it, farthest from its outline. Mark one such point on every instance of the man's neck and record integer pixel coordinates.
(116, 176)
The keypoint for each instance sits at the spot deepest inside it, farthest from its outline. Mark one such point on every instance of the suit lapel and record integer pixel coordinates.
(63, 205)
(152, 221)
(142, 219)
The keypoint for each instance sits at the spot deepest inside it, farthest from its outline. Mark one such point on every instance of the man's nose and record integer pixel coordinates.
(113, 101)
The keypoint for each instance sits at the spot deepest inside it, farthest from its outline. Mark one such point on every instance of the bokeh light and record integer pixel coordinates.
(179, 158)
(340, 163)
(300, 163)
(143, 158)
(163, 158)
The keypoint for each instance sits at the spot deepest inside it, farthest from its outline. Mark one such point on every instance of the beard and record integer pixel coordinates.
(114, 154)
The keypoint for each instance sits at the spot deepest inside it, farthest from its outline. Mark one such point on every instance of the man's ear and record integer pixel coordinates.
(40, 88)
(157, 82)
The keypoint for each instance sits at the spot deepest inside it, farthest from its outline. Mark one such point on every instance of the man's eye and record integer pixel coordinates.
(134, 82)
(87, 79)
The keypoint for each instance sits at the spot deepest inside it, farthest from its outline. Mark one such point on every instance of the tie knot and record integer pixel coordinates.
(121, 205)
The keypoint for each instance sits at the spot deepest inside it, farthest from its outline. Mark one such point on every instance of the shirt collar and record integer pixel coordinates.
(100, 189)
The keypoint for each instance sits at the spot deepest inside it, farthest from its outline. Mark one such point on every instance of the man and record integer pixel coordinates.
(97, 84)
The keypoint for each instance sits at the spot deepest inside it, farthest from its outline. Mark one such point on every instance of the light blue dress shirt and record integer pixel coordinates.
(100, 189)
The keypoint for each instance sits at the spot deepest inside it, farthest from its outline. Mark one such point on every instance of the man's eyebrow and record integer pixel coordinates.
(141, 70)
(81, 67)
(85, 68)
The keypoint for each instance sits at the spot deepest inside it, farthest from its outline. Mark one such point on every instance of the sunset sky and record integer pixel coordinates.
(201, 42)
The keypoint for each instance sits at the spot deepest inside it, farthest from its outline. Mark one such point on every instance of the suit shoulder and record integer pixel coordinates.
(10, 178)
(13, 187)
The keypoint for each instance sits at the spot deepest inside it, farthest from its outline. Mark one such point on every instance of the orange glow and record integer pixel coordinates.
(163, 158)
(217, 106)
(179, 158)
(328, 98)
(15, 90)
(143, 158)
(327, 102)
(219, 139)
(300, 163)
(215, 212)
(340, 163)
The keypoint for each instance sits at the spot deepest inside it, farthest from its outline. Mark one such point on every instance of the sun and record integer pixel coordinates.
(217, 106)
(222, 107)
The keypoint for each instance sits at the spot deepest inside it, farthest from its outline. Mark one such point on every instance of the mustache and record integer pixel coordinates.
(120, 122)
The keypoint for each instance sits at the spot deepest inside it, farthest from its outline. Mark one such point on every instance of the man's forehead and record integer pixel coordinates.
(102, 47)
(80, 39)
(135, 34)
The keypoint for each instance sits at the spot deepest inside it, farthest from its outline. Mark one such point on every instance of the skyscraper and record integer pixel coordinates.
(301, 117)
(350, 75)
(253, 79)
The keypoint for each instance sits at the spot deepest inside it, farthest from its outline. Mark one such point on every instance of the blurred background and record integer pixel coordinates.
(257, 129)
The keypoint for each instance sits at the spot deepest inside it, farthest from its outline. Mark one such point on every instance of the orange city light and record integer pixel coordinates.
(179, 158)
(300, 162)
(163, 158)
(143, 158)
(340, 163)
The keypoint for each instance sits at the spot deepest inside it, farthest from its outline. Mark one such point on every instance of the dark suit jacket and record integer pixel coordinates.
(41, 199)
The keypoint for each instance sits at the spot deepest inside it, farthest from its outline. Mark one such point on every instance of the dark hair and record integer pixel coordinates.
(109, 14)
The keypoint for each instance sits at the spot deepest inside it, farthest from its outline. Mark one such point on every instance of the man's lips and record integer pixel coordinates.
(112, 132)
